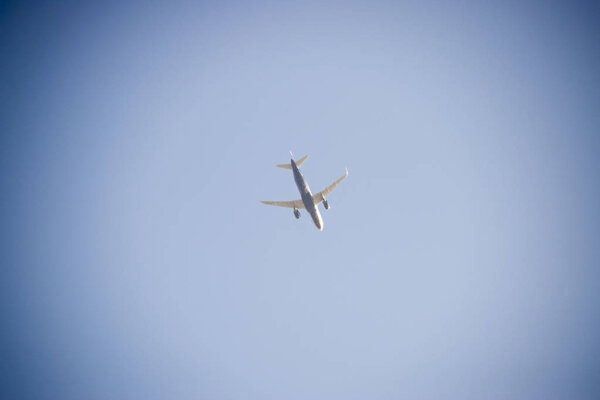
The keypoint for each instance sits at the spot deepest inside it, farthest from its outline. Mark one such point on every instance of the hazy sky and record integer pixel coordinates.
(459, 259)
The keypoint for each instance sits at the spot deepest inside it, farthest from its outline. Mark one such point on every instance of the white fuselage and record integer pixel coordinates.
(306, 195)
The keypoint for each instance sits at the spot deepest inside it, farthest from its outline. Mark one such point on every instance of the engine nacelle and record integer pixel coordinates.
(325, 204)
(296, 213)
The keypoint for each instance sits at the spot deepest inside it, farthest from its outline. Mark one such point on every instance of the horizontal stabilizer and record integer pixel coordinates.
(298, 163)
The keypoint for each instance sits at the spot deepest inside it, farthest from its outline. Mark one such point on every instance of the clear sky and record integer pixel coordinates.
(459, 259)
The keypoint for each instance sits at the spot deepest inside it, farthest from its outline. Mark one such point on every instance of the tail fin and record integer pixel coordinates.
(289, 166)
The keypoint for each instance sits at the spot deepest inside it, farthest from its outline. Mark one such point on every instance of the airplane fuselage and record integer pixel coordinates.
(306, 195)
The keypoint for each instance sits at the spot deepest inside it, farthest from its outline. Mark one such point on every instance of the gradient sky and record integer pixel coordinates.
(459, 260)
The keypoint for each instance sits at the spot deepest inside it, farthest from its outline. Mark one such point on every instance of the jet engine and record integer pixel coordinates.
(296, 213)
(325, 204)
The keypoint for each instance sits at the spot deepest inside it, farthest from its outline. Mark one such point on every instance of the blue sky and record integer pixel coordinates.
(458, 260)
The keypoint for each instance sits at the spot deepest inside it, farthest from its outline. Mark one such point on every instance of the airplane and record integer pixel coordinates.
(308, 201)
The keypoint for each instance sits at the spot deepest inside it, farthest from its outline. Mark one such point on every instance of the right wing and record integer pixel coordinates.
(289, 204)
(319, 197)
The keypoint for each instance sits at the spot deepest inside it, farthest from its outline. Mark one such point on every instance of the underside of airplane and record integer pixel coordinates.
(308, 201)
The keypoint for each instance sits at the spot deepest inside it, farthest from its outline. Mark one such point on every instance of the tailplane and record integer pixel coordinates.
(289, 166)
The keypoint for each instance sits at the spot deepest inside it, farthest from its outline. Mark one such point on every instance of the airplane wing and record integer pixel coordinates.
(319, 197)
(289, 204)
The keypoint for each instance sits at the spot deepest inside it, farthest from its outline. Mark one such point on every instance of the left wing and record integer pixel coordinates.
(322, 195)
(289, 204)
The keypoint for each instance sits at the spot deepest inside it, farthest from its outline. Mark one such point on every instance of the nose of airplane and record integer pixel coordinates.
(316, 217)
(319, 222)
